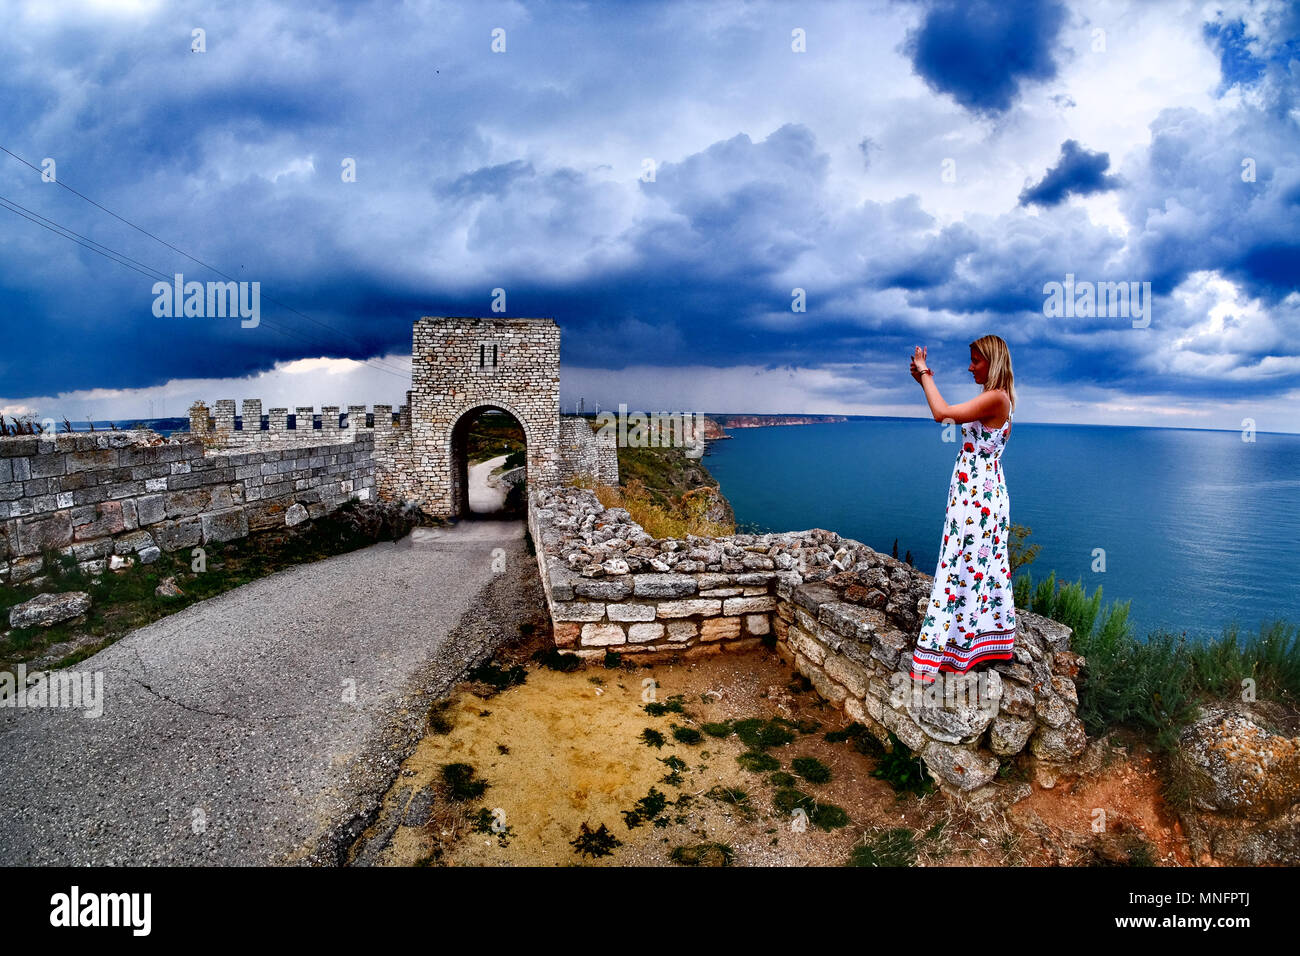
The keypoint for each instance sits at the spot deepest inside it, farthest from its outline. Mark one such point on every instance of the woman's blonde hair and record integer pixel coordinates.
(998, 356)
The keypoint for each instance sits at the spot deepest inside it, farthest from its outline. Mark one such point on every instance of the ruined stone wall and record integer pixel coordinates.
(584, 452)
(839, 612)
(133, 494)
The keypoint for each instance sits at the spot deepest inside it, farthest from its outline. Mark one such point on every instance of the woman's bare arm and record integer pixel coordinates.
(978, 408)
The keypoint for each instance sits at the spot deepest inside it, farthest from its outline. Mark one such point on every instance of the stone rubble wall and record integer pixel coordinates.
(840, 613)
(131, 495)
(584, 452)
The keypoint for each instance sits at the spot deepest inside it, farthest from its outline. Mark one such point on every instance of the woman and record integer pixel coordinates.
(970, 621)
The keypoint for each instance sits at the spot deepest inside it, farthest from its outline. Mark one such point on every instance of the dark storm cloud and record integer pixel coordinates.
(1077, 173)
(981, 52)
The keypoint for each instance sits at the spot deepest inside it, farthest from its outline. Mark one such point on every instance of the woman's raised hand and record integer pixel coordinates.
(918, 361)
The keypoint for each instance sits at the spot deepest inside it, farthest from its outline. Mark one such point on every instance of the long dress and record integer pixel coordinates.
(971, 616)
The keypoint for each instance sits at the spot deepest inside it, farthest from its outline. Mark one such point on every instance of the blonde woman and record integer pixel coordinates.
(970, 620)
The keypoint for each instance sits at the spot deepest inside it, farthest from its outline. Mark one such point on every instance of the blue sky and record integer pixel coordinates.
(920, 170)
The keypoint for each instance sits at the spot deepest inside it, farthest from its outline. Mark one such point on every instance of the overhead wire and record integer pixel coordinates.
(373, 363)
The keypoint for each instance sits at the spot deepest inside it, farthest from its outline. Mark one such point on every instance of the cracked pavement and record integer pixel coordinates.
(262, 724)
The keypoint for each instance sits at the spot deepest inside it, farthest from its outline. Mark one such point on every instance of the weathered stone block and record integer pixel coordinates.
(630, 612)
(665, 586)
(224, 525)
(603, 635)
(605, 589)
(720, 629)
(47, 609)
(577, 611)
(1008, 735)
(963, 768)
(172, 535)
(748, 605)
(705, 606)
(682, 630)
(35, 534)
(135, 541)
(644, 633)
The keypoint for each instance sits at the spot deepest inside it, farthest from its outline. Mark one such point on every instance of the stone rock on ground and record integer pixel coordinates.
(1245, 788)
(47, 609)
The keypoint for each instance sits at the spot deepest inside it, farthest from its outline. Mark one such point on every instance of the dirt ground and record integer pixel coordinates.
(561, 750)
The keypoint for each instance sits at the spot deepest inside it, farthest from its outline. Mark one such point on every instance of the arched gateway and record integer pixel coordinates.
(461, 366)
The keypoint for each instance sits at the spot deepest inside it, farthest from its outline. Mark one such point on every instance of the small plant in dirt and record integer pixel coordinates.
(460, 782)
(896, 847)
(598, 842)
(717, 730)
(652, 738)
(734, 797)
(903, 770)
(487, 821)
(811, 769)
(703, 854)
(686, 735)
(827, 816)
(759, 734)
(647, 810)
(756, 761)
(439, 720)
(498, 678)
(613, 660)
(673, 705)
(552, 659)
(782, 779)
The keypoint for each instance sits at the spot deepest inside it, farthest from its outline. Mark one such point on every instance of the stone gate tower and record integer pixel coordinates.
(461, 366)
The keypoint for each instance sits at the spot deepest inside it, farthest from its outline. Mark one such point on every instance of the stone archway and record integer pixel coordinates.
(457, 451)
(462, 364)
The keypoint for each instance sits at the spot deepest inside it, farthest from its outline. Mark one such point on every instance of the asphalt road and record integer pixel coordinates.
(259, 726)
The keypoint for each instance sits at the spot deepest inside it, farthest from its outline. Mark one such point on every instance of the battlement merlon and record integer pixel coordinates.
(223, 421)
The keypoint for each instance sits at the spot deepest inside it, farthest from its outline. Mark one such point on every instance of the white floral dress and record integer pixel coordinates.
(971, 616)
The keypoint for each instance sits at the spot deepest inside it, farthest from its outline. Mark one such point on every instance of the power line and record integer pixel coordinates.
(272, 299)
(145, 270)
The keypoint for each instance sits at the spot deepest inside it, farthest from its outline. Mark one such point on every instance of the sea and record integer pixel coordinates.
(1196, 528)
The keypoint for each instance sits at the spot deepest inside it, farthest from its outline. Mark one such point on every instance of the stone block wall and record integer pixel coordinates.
(584, 452)
(839, 612)
(388, 434)
(117, 497)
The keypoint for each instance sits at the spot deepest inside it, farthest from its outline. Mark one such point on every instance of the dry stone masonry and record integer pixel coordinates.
(112, 498)
(841, 613)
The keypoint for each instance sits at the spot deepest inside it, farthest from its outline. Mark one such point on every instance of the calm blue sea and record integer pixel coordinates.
(1199, 528)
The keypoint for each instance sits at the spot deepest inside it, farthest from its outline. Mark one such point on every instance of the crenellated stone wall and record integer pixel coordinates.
(839, 612)
(460, 366)
(111, 498)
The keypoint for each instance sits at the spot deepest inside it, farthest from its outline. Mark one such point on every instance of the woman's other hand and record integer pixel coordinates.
(918, 362)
